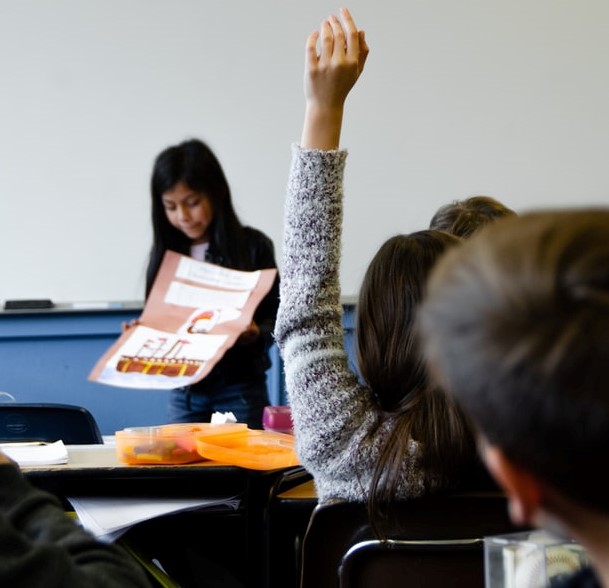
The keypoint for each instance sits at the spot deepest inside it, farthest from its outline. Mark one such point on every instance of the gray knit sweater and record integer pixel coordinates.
(331, 411)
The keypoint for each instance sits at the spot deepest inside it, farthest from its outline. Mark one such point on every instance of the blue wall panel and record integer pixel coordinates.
(46, 356)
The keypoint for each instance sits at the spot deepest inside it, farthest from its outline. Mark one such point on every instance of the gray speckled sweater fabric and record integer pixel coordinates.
(330, 409)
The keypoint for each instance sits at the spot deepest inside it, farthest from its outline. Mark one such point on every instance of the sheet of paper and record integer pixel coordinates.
(34, 454)
(195, 312)
(108, 518)
(215, 275)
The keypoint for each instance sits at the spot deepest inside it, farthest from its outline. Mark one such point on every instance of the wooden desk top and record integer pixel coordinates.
(304, 491)
(96, 470)
(103, 457)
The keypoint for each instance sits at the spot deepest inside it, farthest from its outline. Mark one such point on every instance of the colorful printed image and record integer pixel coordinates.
(198, 297)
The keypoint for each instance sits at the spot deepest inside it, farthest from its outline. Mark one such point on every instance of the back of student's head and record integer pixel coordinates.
(391, 364)
(516, 326)
(389, 297)
(464, 217)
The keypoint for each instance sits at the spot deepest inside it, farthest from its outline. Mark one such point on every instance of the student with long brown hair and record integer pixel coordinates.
(393, 435)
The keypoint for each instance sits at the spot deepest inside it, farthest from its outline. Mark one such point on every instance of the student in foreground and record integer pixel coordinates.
(516, 328)
(42, 547)
(394, 436)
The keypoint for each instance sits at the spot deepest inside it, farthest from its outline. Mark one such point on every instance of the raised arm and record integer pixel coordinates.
(331, 410)
(329, 76)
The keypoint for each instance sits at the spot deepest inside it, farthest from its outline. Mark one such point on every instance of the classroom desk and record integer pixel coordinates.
(95, 469)
(231, 538)
(305, 491)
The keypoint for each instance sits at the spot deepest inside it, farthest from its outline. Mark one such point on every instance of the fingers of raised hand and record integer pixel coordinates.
(363, 50)
(326, 41)
(349, 45)
(339, 45)
(311, 49)
(350, 33)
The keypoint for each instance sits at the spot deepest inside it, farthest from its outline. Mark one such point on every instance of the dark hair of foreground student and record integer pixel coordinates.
(517, 324)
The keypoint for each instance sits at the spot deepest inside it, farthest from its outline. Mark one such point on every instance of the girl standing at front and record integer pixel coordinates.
(192, 214)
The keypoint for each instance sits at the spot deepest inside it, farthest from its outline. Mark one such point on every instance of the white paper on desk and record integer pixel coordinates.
(108, 517)
(34, 454)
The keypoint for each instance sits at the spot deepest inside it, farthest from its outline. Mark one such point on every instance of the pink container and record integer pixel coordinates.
(278, 419)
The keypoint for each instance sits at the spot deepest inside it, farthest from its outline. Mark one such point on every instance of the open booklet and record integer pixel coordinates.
(195, 311)
(108, 518)
(36, 453)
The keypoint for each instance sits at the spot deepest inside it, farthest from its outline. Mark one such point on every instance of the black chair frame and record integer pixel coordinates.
(48, 422)
(441, 525)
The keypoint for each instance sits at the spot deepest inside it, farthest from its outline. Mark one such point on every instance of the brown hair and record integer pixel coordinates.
(464, 217)
(391, 364)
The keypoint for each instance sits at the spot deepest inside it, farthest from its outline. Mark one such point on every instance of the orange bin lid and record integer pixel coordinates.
(250, 448)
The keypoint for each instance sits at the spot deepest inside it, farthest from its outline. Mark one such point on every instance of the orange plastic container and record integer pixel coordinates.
(254, 449)
(166, 444)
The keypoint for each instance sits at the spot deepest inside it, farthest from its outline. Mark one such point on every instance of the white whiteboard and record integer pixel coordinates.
(459, 97)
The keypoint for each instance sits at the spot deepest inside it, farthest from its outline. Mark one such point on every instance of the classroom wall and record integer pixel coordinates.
(500, 97)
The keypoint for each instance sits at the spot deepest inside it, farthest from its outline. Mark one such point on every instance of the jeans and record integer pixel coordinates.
(195, 404)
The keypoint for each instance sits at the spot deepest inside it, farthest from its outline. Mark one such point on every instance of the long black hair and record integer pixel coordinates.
(195, 164)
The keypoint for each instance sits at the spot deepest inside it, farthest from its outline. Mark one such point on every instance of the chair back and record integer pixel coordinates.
(443, 532)
(450, 563)
(22, 422)
(286, 518)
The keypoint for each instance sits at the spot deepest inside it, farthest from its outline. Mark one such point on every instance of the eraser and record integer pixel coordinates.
(28, 304)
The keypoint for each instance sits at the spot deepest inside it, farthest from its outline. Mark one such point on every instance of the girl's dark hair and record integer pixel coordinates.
(195, 164)
(391, 364)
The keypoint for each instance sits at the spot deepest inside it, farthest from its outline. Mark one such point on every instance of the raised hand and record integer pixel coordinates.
(329, 76)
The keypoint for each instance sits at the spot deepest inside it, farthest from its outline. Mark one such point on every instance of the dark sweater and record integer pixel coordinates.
(40, 546)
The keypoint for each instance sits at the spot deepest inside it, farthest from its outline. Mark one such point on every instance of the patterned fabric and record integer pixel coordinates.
(332, 412)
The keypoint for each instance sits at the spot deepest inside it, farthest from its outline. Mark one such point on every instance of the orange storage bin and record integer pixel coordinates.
(166, 444)
(254, 449)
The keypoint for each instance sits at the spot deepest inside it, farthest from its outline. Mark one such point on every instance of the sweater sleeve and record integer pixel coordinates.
(330, 409)
(42, 547)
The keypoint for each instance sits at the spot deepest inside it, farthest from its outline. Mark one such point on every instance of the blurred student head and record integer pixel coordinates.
(464, 217)
(516, 326)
